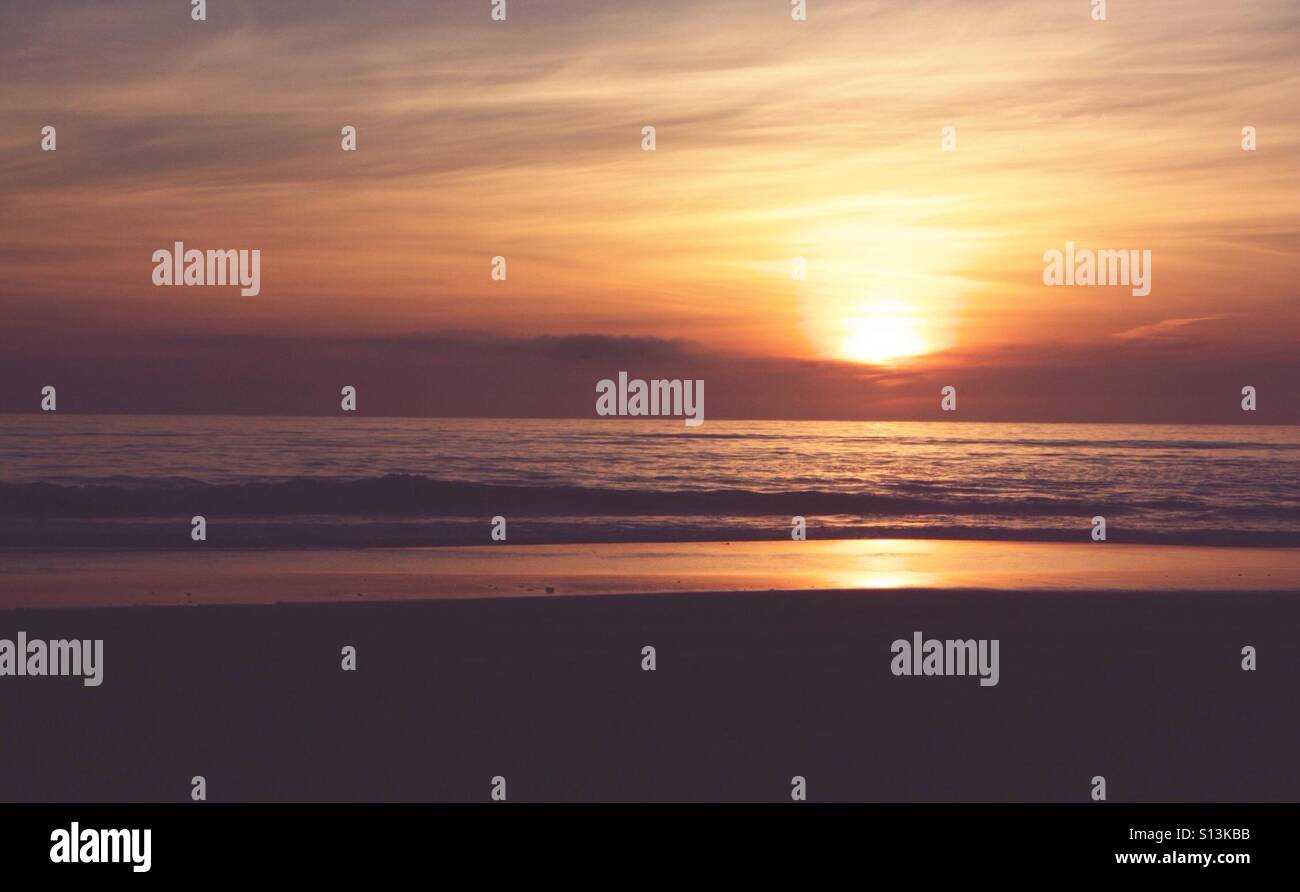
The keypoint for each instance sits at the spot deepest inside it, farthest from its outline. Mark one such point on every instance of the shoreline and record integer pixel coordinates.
(214, 576)
(319, 533)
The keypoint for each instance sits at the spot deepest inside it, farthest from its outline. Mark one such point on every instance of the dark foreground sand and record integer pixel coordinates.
(751, 688)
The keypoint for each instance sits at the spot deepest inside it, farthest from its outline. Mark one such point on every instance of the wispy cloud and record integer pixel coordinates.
(1167, 329)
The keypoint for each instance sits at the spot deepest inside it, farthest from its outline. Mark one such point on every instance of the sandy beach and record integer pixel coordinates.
(750, 689)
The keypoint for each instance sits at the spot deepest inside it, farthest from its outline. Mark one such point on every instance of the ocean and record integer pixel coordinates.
(81, 481)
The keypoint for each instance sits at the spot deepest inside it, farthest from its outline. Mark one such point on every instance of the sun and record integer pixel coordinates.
(882, 332)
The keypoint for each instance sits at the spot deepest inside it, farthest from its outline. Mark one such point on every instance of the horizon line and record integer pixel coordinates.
(646, 419)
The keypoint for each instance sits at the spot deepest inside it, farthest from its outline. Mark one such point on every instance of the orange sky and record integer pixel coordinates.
(775, 139)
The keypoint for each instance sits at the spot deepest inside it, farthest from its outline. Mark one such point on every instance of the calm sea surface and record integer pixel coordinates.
(134, 481)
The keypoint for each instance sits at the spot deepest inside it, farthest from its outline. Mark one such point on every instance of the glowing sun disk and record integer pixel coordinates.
(882, 333)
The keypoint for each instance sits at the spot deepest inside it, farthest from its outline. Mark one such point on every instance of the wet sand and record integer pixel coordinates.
(212, 575)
